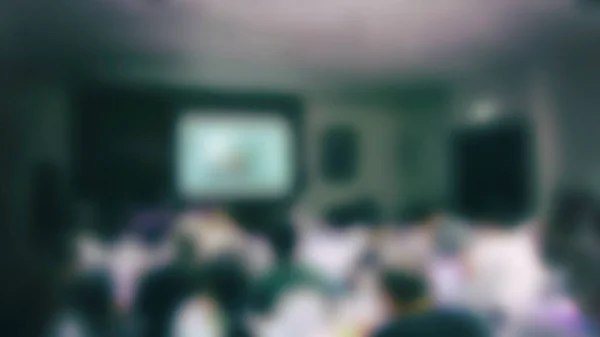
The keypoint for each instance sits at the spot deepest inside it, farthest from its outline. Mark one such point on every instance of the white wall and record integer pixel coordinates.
(380, 126)
(425, 174)
(576, 93)
(377, 127)
(386, 129)
(44, 130)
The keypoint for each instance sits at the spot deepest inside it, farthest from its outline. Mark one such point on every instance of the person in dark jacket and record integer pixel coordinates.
(571, 243)
(287, 274)
(412, 313)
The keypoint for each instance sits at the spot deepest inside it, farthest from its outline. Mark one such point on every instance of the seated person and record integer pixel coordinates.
(213, 232)
(492, 261)
(332, 251)
(217, 304)
(163, 289)
(571, 244)
(198, 317)
(361, 309)
(160, 293)
(88, 309)
(300, 312)
(287, 272)
(412, 313)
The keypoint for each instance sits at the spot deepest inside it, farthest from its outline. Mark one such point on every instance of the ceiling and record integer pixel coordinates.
(283, 42)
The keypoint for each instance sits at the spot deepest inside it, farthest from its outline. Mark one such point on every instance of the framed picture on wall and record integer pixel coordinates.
(340, 154)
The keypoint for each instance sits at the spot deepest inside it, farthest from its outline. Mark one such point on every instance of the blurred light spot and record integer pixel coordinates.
(484, 111)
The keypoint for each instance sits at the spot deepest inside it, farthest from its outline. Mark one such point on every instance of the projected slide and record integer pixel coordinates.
(233, 156)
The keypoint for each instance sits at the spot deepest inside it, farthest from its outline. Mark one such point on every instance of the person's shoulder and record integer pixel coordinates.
(561, 318)
(414, 325)
(435, 322)
(466, 321)
(387, 330)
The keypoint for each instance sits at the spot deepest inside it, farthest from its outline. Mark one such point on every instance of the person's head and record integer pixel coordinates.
(404, 292)
(433, 217)
(571, 242)
(423, 214)
(186, 252)
(227, 282)
(91, 296)
(283, 241)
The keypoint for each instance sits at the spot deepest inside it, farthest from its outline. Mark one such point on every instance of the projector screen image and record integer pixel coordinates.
(233, 156)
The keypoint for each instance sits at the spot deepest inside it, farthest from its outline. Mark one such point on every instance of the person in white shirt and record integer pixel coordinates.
(301, 312)
(198, 317)
(506, 275)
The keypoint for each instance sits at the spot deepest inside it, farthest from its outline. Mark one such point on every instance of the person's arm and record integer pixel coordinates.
(381, 332)
(476, 326)
(194, 320)
(68, 327)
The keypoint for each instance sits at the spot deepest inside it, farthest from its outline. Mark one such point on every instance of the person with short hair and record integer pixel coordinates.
(287, 272)
(409, 303)
(570, 244)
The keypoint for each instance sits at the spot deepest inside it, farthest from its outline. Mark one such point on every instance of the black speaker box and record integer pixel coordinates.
(492, 171)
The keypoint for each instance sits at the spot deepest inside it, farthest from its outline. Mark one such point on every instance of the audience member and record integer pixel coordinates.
(571, 244)
(159, 295)
(213, 232)
(494, 260)
(88, 308)
(228, 285)
(287, 273)
(412, 312)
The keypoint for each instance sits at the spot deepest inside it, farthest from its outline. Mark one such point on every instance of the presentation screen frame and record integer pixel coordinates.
(163, 107)
(212, 148)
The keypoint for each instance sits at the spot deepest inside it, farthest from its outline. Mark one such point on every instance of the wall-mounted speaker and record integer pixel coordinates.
(492, 172)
